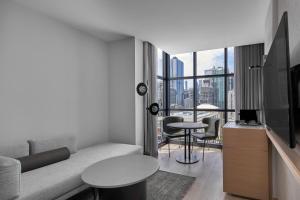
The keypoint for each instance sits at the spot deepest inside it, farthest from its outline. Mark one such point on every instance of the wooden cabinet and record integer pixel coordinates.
(246, 161)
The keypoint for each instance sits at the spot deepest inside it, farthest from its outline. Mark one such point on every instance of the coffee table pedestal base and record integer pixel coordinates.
(132, 192)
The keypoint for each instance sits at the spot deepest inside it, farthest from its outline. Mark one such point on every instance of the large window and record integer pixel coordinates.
(196, 85)
(201, 84)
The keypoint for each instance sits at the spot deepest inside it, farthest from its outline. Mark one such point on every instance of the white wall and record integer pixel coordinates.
(121, 91)
(125, 107)
(286, 186)
(276, 9)
(139, 101)
(53, 79)
(270, 24)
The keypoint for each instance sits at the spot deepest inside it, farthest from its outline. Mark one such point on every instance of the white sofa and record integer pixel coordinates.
(63, 179)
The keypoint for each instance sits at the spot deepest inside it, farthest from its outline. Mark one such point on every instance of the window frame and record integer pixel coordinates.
(195, 77)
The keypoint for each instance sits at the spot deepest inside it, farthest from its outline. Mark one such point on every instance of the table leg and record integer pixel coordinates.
(192, 157)
(185, 144)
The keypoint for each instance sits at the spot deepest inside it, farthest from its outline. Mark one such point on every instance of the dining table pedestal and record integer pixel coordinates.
(188, 157)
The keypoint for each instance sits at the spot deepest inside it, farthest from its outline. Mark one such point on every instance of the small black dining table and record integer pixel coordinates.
(188, 157)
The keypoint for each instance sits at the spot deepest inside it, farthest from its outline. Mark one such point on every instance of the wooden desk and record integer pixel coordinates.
(246, 161)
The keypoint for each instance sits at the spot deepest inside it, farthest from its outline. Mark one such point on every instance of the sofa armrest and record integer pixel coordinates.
(10, 177)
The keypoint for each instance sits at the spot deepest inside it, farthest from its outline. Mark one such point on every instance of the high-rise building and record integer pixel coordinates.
(160, 92)
(230, 83)
(176, 67)
(230, 93)
(231, 104)
(218, 84)
(188, 98)
(176, 70)
(207, 92)
(231, 99)
(172, 97)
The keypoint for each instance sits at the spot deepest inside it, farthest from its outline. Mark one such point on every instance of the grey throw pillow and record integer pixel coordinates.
(38, 160)
(38, 146)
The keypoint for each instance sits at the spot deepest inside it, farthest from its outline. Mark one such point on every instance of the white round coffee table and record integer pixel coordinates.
(121, 177)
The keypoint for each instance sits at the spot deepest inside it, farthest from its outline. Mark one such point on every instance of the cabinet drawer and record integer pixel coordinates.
(255, 139)
(246, 172)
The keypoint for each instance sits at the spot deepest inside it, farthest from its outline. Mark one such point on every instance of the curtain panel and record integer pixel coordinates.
(248, 82)
(150, 64)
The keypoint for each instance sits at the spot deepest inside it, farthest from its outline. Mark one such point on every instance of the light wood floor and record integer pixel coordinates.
(209, 181)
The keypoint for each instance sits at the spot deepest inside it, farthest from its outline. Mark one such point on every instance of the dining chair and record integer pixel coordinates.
(170, 133)
(211, 132)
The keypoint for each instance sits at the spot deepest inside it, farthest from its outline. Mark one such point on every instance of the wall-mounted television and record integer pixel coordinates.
(278, 91)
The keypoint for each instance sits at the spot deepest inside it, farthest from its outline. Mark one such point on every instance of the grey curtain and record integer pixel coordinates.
(248, 82)
(150, 135)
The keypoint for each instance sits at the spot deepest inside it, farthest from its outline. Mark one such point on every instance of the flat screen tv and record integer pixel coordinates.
(277, 86)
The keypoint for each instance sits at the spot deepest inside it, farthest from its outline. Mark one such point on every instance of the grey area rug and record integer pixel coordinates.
(168, 186)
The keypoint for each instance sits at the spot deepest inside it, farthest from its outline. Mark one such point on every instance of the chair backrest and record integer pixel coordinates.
(213, 126)
(171, 119)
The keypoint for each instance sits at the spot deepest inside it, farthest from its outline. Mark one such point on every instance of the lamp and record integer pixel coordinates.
(154, 108)
(142, 89)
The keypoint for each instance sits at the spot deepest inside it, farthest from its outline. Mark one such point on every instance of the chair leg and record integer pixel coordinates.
(193, 144)
(203, 150)
(169, 148)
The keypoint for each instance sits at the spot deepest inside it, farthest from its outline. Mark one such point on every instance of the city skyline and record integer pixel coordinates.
(204, 60)
(208, 90)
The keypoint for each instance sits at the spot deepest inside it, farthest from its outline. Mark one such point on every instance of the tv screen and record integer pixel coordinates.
(278, 105)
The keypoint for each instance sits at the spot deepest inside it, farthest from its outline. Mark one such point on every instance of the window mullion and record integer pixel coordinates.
(195, 85)
(167, 83)
(225, 77)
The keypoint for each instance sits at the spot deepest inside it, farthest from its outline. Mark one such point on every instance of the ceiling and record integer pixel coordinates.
(175, 26)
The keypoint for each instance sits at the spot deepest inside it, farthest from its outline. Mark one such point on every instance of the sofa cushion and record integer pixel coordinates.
(57, 179)
(15, 150)
(38, 146)
(43, 159)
